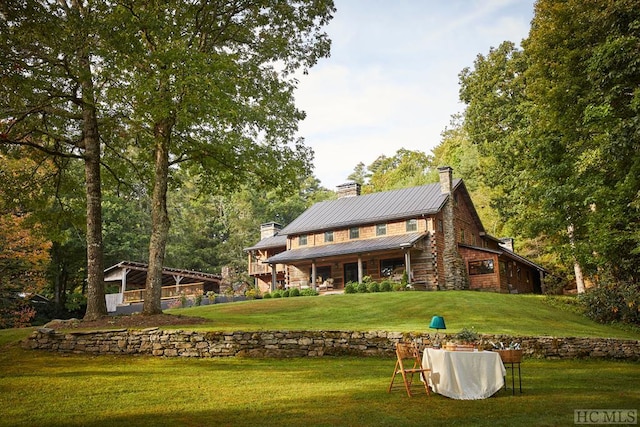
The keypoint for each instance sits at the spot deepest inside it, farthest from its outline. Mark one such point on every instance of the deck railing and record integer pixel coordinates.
(256, 268)
(172, 291)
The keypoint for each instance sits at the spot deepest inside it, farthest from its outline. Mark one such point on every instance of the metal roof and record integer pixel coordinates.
(347, 248)
(277, 241)
(137, 274)
(370, 208)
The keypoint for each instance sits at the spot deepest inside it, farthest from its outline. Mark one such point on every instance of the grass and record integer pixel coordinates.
(50, 389)
(46, 389)
(488, 313)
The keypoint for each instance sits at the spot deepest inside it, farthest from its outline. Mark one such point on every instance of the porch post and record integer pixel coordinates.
(123, 281)
(359, 268)
(407, 263)
(274, 277)
(313, 274)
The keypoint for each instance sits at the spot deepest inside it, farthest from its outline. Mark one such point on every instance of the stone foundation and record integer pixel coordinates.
(175, 343)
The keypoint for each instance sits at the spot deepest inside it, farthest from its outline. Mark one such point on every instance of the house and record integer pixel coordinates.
(431, 232)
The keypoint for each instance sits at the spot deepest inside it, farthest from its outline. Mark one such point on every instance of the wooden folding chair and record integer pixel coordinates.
(407, 353)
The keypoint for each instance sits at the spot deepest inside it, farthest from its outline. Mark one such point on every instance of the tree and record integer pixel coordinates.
(405, 169)
(558, 122)
(49, 102)
(210, 85)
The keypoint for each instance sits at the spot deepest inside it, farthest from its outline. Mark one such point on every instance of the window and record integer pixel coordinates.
(328, 236)
(389, 267)
(381, 229)
(302, 240)
(411, 225)
(354, 233)
(481, 267)
(462, 236)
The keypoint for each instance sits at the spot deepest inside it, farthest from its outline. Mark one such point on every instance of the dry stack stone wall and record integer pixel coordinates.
(177, 343)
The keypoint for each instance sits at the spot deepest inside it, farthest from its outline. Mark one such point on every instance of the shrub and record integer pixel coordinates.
(276, 294)
(362, 288)
(613, 302)
(309, 293)
(399, 287)
(267, 295)
(285, 293)
(386, 286)
(252, 293)
(294, 292)
(198, 300)
(374, 287)
(350, 288)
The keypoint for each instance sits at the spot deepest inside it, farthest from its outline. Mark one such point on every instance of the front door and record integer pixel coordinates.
(351, 272)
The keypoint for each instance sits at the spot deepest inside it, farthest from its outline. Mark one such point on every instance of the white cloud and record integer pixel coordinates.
(392, 79)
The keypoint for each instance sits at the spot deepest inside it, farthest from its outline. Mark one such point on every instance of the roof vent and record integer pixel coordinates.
(350, 189)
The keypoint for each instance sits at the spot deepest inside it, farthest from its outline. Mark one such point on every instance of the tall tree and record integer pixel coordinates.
(558, 121)
(210, 84)
(47, 58)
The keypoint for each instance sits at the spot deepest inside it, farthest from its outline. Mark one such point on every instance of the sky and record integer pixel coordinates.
(391, 81)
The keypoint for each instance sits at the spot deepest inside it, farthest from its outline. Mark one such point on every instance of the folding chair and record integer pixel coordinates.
(407, 353)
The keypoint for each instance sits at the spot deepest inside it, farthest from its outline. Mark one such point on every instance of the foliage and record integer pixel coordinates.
(467, 335)
(555, 124)
(252, 293)
(294, 292)
(386, 286)
(362, 288)
(75, 301)
(373, 287)
(309, 293)
(351, 288)
(613, 302)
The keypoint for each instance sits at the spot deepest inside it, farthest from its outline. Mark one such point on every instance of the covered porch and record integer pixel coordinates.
(131, 278)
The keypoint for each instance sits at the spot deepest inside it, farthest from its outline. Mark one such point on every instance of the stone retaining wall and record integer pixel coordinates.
(175, 343)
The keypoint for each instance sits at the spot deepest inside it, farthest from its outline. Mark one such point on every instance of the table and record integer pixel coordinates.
(466, 375)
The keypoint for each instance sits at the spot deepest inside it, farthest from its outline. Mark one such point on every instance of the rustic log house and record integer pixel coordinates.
(431, 232)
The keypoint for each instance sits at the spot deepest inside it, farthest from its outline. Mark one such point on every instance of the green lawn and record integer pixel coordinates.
(49, 389)
(488, 313)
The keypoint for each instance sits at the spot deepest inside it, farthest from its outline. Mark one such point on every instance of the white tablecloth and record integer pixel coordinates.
(466, 375)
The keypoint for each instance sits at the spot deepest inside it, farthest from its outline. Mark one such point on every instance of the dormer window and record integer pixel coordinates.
(302, 240)
(411, 225)
(328, 236)
(354, 233)
(381, 229)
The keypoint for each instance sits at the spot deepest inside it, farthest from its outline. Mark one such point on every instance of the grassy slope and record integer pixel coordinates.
(488, 313)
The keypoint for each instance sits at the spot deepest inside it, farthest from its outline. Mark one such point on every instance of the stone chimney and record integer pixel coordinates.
(455, 272)
(269, 229)
(507, 243)
(446, 179)
(350, 189)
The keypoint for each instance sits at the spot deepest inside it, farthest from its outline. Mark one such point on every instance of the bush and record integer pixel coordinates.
(374, 287)
(252, 293)
(309, 293)
(386, 286)
(285, 293)
(362, 288)
(294, 292)
(350, 288)
(276, 294)
(267, 296)
(611, 302)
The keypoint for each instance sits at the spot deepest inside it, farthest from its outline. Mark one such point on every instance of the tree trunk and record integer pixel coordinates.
(96, 303)
(159, 218)
(576, 265)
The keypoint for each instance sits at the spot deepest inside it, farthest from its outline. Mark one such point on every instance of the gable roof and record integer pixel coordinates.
(507, 253)
(136, 273)
(370, 209)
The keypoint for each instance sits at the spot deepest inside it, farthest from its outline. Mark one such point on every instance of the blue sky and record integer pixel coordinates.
(392, 79)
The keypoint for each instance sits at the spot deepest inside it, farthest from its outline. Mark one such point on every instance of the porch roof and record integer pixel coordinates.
(347, 248)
